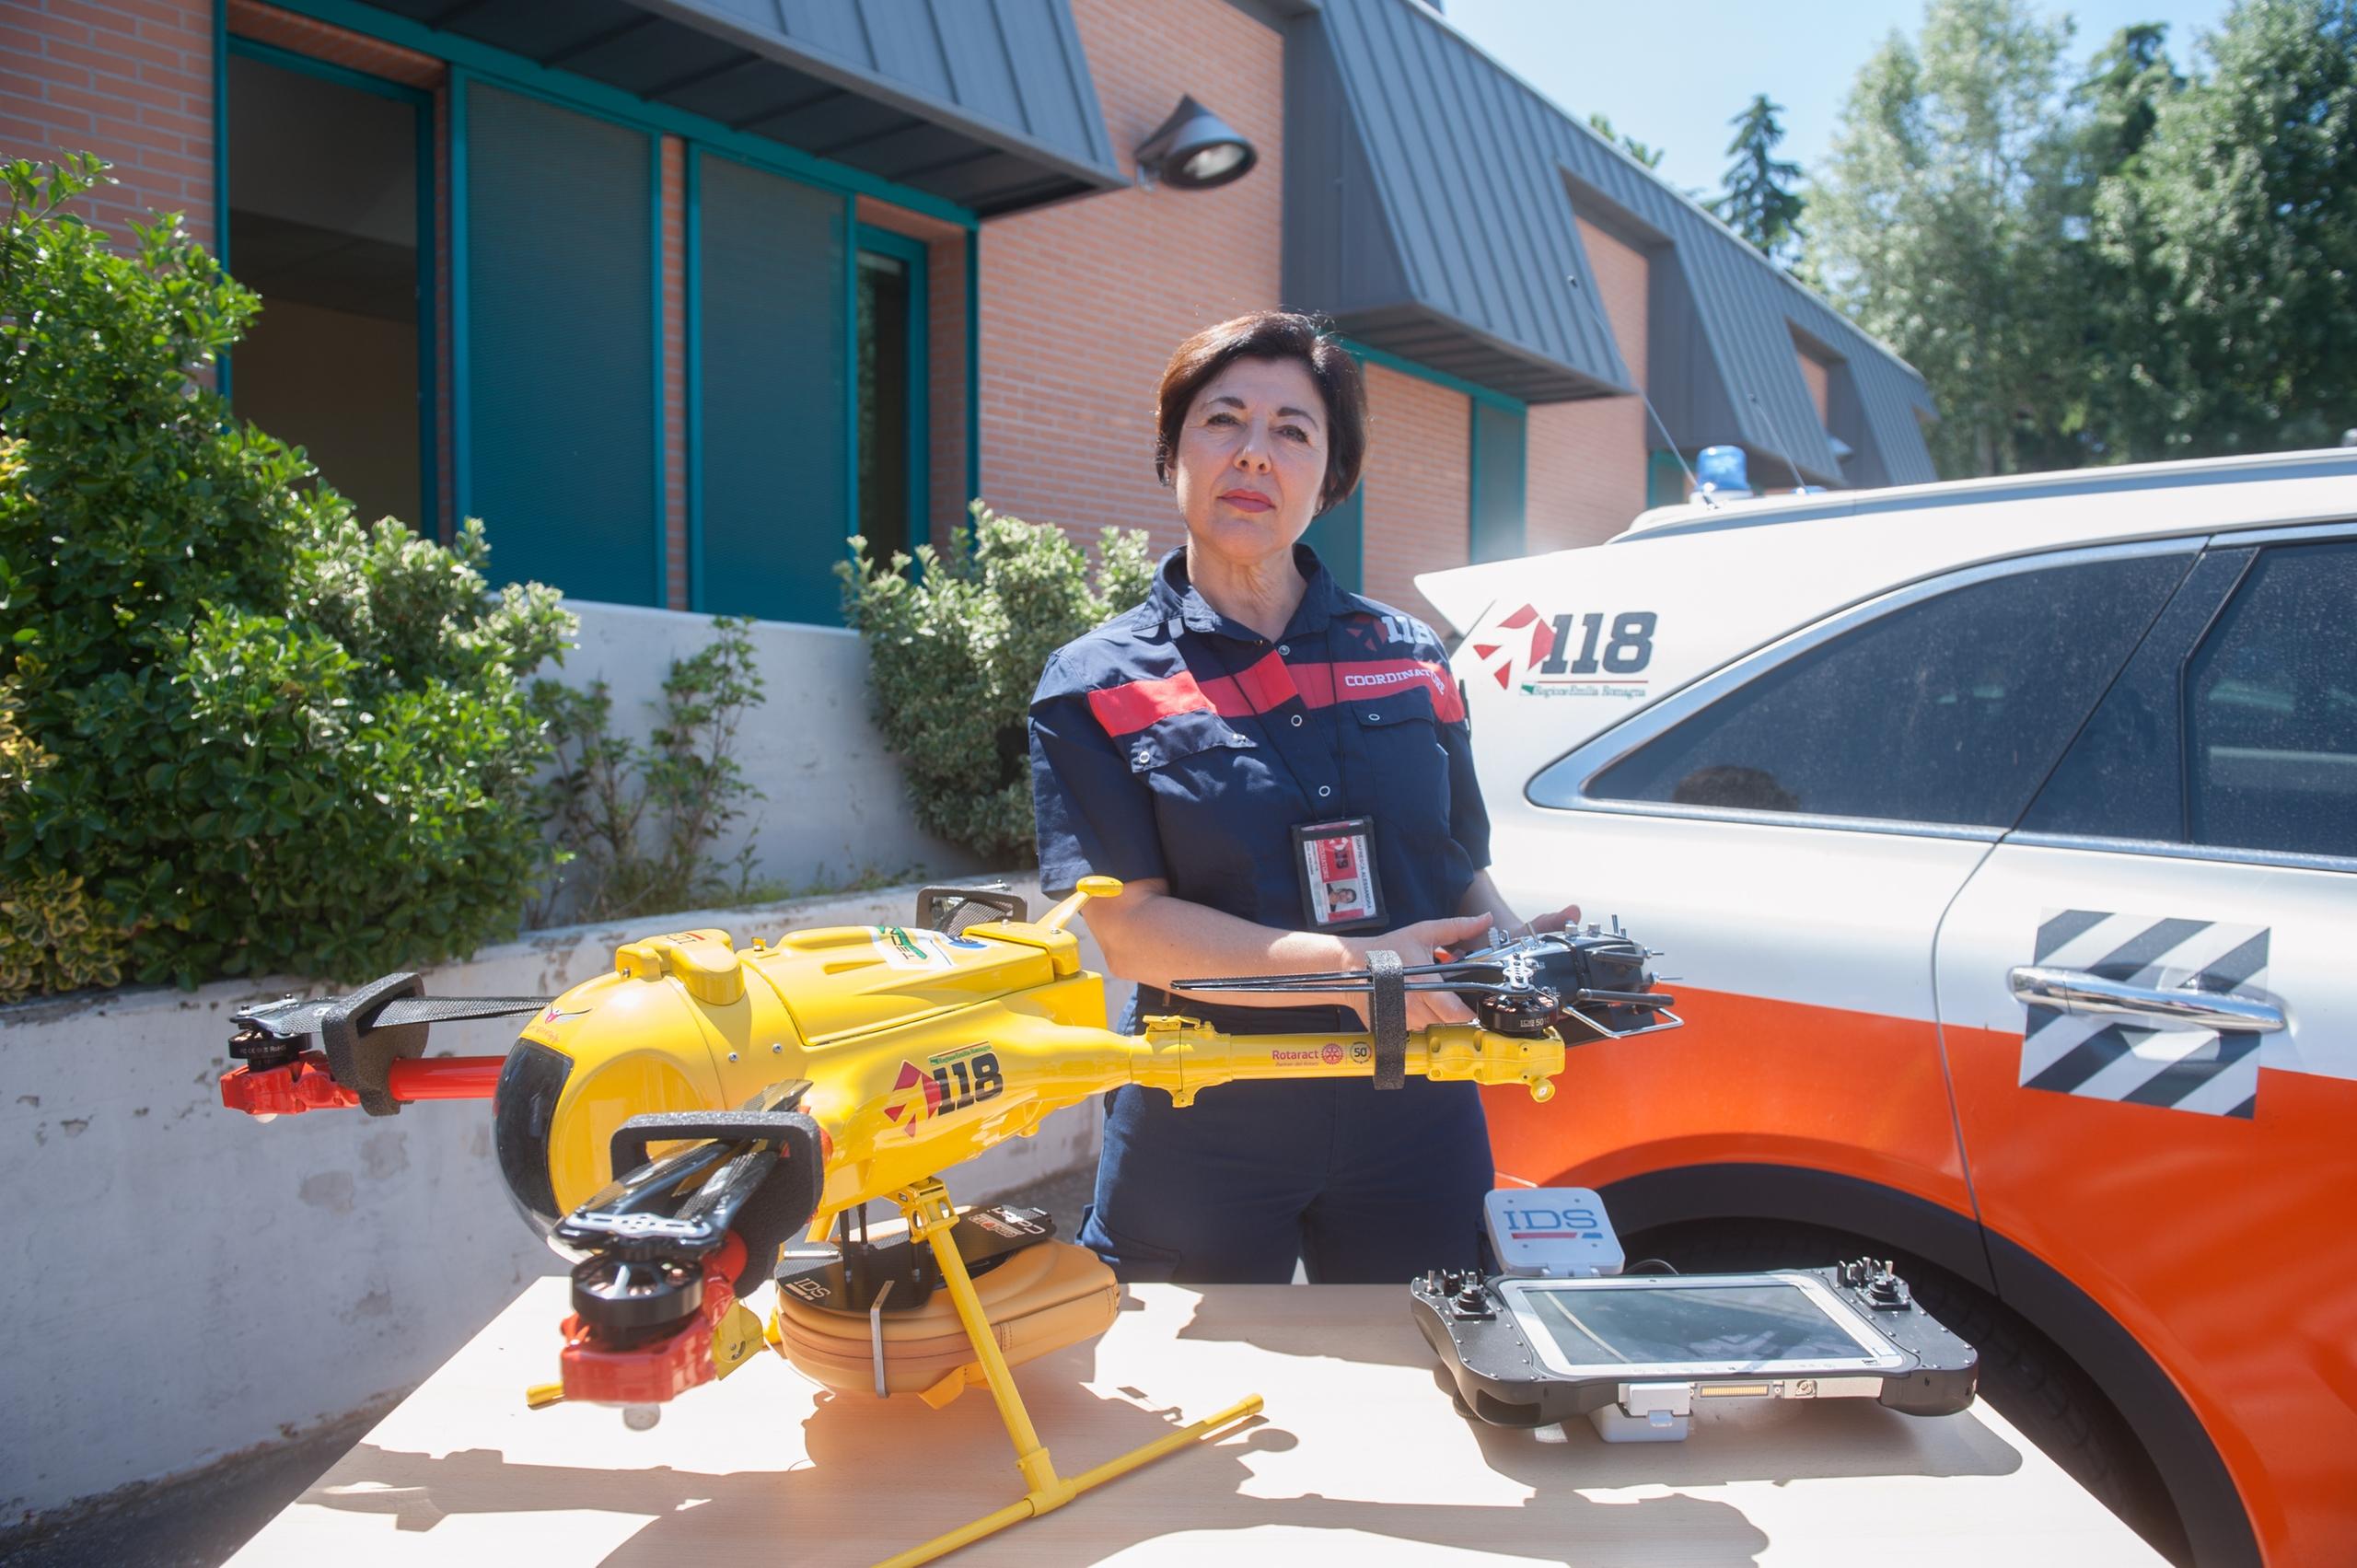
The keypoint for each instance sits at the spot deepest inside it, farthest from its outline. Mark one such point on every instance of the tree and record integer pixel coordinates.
(2127, 82)
(1941, 224)
(2129, 300)
(2236, 217)
(1760, 202)
(1601, 123)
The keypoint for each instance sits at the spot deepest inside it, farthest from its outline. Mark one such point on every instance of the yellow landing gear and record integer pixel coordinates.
(931, 1219)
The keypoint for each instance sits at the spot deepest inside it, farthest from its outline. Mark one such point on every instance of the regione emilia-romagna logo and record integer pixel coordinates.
(1576, 654)
(2115, 1057)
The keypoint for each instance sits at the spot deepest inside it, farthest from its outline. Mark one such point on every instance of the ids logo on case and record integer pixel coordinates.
(1556, 1232)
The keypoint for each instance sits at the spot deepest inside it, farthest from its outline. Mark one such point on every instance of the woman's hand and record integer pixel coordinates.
(1422, 942)
(1562, 920)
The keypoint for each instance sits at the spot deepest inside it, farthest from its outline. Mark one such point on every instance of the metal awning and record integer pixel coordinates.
(1407, 215)
(1431, 199)
(986, 103)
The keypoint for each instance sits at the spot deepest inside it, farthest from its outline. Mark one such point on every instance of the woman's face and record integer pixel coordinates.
(1251, 459)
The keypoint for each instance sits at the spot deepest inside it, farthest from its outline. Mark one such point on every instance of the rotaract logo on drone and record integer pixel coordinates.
(1327, 1055)
(1594, 654)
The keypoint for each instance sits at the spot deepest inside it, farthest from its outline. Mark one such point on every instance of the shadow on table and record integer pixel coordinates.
(1280, 1319)
(881, 1478)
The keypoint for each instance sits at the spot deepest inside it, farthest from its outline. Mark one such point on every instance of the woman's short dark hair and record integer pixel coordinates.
(1272, 334)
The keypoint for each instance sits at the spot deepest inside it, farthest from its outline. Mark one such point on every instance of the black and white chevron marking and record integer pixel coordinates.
(2200, 1070)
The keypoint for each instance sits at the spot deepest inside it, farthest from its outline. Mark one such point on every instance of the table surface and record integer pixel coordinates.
(1359, 1457)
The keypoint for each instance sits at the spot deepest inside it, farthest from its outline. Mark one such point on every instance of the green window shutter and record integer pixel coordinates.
(773, 342)
(1499, 438)
(1664, 479)
(563, 460)
(1339, 537)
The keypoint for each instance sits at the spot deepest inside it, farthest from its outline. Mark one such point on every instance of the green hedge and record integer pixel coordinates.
(955, 651)
(239, 732)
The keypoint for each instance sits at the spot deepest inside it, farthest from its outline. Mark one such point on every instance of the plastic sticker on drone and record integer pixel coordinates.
(959, 1079)
(906, 949)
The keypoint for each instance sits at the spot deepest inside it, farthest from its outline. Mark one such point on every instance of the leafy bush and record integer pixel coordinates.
(607, 796)
(954, 652)
(246, 734)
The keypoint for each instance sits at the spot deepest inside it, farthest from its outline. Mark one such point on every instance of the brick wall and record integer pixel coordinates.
(1588, 460)
(1082, 303)
(130, 80)
(1418, 480)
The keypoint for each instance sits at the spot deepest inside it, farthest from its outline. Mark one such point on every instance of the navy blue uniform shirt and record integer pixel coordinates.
(1172, 742)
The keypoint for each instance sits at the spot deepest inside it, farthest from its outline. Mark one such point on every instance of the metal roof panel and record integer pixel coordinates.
(1463, 166)
(1008, 77)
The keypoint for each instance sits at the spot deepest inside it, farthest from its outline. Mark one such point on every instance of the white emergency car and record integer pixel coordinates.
(2003, 835)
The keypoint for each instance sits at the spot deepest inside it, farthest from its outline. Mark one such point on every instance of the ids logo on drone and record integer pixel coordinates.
(1596, 654)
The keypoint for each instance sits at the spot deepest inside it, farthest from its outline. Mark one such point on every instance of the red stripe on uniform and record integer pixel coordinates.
(1123, 709)
(1270, 684)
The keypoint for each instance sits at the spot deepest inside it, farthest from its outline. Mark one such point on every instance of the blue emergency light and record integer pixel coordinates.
(1719, 471)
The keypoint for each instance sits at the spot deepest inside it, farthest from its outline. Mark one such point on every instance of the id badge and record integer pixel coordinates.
(1339, 889)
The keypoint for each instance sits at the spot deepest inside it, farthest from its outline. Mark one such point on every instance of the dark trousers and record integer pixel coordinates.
(1365, 1187)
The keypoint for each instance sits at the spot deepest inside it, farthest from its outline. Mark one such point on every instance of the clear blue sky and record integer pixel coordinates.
(1671, 73)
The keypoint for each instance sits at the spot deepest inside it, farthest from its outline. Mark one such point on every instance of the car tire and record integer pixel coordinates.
(2025, 1375)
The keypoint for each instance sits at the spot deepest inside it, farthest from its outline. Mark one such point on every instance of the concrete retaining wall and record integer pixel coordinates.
(183, 1282)
(837, 810)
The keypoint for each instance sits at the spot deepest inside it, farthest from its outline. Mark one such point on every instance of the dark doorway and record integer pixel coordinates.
(892, 369)
(331, 205)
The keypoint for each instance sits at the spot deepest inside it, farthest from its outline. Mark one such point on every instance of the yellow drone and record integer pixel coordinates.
(702, 1119)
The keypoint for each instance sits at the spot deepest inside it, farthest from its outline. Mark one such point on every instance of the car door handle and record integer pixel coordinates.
(2076, 990)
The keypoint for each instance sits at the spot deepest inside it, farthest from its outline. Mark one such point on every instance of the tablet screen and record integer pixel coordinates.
(1648, 1326)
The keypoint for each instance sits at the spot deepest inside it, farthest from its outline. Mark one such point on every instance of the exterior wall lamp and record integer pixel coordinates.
(1194, 150)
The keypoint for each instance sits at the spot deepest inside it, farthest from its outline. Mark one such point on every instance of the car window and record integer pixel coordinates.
(2122, 777)
(2270, 708)
(1948, 710)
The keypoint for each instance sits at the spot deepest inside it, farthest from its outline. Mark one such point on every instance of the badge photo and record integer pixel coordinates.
(1335, 863)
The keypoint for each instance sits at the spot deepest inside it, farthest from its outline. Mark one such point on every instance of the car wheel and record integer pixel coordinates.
(2025, 1375)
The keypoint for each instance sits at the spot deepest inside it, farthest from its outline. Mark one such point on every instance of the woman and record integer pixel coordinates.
(1249, 719)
